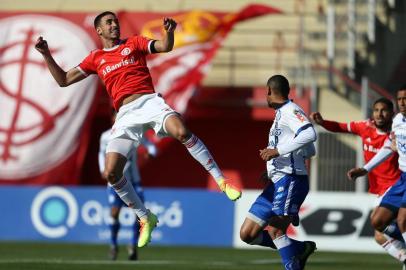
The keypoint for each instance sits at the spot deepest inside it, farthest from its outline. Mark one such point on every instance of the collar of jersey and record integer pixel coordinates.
(114, 47)
(111, 49)
(280, 105)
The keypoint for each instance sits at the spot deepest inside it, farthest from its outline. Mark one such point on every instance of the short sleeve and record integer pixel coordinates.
(87, 67)
(142, 44)
(297, 120)
(357, 127)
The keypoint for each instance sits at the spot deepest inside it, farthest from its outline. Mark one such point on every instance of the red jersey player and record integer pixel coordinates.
(374, 132)
(122, 66)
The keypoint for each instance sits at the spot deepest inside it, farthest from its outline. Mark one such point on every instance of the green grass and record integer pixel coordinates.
(47, 256)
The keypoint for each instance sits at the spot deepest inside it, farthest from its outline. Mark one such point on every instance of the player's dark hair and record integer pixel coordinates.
(385, 101)
(98, 18)
(402, 88)
(279, 84)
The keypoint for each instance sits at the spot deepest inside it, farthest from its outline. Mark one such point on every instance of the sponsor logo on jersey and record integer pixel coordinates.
(122, 63)
(370, 148)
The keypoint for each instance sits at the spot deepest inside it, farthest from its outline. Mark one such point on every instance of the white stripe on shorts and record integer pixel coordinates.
(288, 197)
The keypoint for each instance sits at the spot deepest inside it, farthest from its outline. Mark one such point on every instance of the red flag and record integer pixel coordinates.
(44, 129)
(197, 39)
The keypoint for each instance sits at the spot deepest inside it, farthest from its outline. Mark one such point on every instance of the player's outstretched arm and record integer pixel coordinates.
(354, 173)
(166, 43)
(332, 126)
(61, 77)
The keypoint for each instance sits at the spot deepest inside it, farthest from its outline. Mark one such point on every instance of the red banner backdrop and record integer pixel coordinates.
(44, 129)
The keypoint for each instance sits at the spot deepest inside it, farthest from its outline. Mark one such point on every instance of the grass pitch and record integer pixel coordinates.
(49, 256)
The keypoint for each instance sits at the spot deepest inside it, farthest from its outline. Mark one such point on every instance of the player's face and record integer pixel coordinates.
(382, 115)
(109, 28)
(401, 100)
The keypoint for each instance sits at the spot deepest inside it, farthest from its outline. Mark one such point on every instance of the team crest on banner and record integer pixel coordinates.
(39, 121)
(45, 129)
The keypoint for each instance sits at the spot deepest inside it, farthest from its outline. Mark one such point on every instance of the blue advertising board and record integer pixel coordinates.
(81, 214)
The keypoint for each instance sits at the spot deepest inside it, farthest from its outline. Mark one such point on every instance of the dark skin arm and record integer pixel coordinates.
(354, 173)
(268, 154)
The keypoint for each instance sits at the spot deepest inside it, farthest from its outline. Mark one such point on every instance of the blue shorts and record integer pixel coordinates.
(395, 197)
(115, 201)
(282, 198)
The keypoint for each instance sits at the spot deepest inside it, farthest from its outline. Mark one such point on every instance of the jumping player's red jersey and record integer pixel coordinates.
(387, 173)
(122, 68)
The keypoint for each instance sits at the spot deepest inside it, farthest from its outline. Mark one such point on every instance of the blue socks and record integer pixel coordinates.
(393, 231)
(136, 233)
(263, 239)
(114, 228)
(289, 249)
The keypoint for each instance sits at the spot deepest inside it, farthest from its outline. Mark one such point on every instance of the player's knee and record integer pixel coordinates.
(246, 235)
(110, 176)
(182, 134)
(378, 224)
(401, 220)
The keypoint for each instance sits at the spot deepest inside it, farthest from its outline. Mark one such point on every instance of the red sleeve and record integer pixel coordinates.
(87, 66)
(336, 127)
(142, 44)
(357, 127)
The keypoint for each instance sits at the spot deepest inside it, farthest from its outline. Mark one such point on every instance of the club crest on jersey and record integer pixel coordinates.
(125, 51)
(299, 115)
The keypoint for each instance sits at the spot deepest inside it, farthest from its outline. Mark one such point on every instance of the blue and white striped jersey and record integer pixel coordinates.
(399, 131)
(290, 120)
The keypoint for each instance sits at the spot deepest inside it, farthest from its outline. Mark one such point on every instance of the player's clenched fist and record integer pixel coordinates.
(317, 118)
(169, 24)
(354, 173)
(41, 45)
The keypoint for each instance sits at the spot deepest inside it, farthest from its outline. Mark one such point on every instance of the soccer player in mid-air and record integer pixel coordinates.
(374, 132)
(291, 140)
(393, 204)
(121, 65)
(132, 174)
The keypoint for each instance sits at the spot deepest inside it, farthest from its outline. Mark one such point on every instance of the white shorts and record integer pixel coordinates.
(134, 118)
